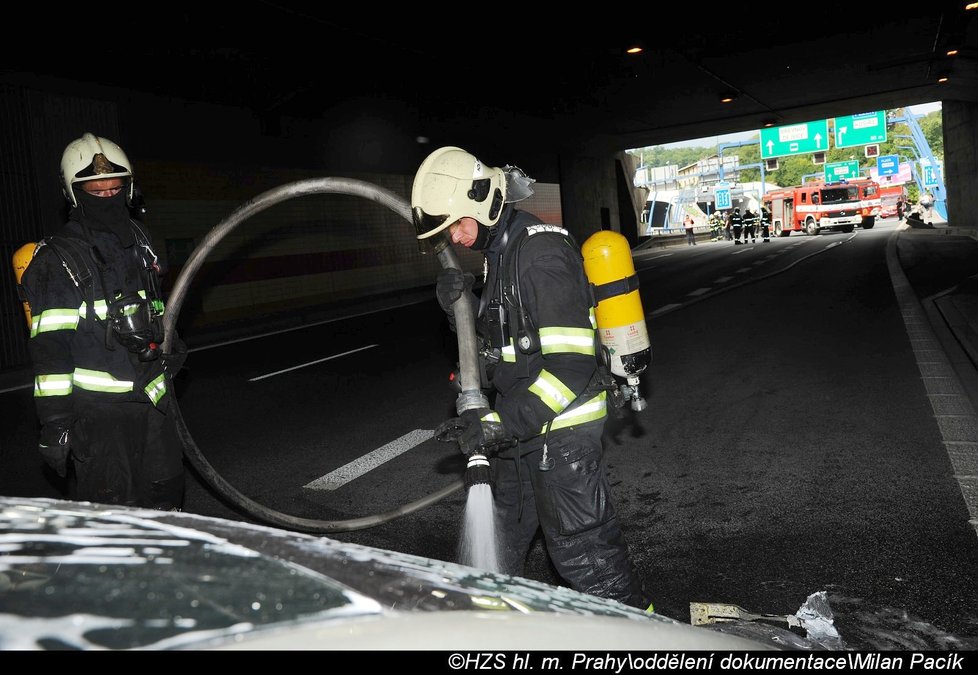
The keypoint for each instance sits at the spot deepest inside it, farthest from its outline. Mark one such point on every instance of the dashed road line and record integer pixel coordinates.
(310, 363)
(358, 467)
(703, 294)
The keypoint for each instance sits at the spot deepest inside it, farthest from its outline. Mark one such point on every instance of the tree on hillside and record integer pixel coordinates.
(660, 156)
(793, 169)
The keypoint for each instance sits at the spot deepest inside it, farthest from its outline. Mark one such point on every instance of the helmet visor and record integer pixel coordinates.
(427, 224)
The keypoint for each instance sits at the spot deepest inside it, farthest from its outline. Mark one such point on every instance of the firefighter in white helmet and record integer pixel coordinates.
(537, 309)
(100, 390)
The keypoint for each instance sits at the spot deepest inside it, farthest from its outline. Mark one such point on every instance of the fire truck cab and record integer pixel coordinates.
(817, 206)
(893, 200)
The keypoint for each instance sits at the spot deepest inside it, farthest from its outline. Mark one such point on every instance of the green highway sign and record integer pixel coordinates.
(861, 129)
(795, 139)
(835, 171)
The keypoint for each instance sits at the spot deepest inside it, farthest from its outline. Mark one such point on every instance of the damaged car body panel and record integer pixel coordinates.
(75, 575)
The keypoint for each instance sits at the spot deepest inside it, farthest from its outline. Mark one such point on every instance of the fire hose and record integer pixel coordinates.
(471, 395)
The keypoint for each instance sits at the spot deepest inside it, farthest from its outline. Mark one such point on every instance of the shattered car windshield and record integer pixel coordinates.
(123, 582)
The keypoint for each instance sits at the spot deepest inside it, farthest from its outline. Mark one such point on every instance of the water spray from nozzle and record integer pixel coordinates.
(477, 471)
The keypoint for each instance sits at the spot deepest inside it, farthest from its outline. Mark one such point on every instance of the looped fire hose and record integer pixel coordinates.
(470, 397)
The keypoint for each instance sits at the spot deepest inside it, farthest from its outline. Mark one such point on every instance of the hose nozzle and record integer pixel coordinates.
(477, 471)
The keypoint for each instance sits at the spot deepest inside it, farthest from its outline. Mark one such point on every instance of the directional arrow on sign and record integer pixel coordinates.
(860, 129)
(794, 139)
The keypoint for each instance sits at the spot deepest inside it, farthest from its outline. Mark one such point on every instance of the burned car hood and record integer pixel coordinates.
(75, 575)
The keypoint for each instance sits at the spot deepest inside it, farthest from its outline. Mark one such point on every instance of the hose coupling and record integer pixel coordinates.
(477, 471)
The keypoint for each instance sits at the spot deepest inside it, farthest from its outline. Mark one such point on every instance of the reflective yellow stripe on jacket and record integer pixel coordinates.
(62, 384)
(554, 393)
(559, 398)
(594, 409)
(563, 339)
(99, 380)
(560, 340)
(54, 384)
(66, 318)
(156, 389)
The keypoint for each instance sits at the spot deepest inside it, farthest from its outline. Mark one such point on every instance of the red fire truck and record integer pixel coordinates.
(893, 199)
(818, 206)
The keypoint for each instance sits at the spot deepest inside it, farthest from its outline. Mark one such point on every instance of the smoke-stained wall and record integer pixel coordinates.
(195, 163)
(306, 251)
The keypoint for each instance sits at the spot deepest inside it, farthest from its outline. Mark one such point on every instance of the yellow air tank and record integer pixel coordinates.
(22, 258)
(620, 317)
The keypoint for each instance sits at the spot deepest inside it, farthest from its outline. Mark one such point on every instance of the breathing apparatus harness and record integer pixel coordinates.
(505, 312)
(133, 321)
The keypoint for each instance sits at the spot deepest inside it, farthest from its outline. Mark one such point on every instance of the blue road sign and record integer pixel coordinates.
(930, 175)
(888, 165)
(721, 196)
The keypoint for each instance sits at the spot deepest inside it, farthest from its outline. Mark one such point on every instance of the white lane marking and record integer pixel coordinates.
(743, 269)
(649, 256)
(18, 388)
(700, 291)
(311, 363)
(305, 325)
(723, 280)
(343, 475)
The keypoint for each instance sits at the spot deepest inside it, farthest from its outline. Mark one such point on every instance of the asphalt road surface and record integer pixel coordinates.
(788, 447)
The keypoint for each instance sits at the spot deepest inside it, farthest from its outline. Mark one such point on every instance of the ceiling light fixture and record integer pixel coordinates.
(952, 52)
(728, 97)
(634, 50)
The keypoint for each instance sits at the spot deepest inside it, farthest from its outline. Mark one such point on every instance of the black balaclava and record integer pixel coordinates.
(107, 214)
(487, 235)
(482, 238)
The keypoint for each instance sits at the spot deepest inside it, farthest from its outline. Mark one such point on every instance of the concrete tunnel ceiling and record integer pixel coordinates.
(538, 80)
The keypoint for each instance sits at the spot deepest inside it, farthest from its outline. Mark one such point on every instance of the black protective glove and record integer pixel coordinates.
(54, 444)
(477, 430)
(449, 287)
(174, 359)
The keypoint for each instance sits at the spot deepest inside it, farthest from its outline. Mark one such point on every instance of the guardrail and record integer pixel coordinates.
(671, 236)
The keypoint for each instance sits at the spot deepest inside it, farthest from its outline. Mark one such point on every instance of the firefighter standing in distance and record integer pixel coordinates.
(545, 400)
(100, 389)
(765, 225)
(736, 222)
(750, 226)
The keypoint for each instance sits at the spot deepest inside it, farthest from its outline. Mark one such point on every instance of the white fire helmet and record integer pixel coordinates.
(451, 184)
(92, 157)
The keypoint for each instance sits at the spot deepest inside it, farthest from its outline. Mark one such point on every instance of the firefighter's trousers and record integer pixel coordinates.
(126, 453)
(572, 504)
